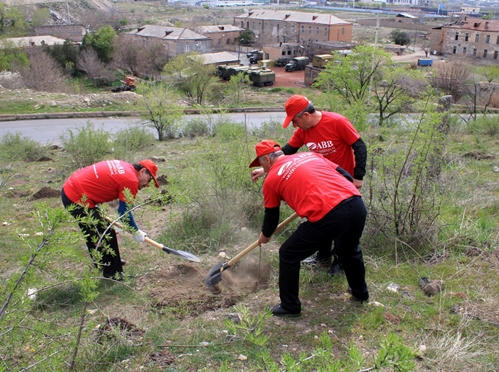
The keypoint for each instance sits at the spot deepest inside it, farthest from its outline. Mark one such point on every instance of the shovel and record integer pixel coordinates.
(183, 254)
(215, 274)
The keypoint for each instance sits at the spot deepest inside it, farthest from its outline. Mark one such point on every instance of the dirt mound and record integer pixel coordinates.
(181, 289)
(46, 192)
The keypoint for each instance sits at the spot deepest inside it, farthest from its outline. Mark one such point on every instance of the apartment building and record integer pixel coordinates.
(470, 37)
(282, 26)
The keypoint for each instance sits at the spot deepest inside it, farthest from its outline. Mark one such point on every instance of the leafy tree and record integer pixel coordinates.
(12, 22)
(102, 42)
(40, 17)
(247, 37)
(65, 54)
(481, 89)
(12, 57)
(188, 73)
(160, 109)
(397, 90)
(400, 37)
(350, 77)
(235, 87)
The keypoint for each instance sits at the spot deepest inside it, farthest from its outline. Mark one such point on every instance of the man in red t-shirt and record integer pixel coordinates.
(99, 183)
(331, 135)
(321, 191)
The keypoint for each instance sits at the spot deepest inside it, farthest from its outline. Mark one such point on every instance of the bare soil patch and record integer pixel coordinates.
(181, 289)
(283, 78)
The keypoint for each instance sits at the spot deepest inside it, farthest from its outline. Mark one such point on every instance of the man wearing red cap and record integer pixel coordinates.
(100, 183)
(331, 135)
(321, 191)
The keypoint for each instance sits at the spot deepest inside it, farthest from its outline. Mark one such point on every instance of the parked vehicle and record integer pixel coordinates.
(425, 62)
(261, 77)
(251, 52)
(128, 84)
(266, 63)
(281, 62)
(297, 63)
(321, 60)
(255, 57)
(226, 71)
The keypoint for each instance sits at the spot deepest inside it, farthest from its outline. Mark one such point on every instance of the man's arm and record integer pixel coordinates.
(270, 221)
(344, 173)
(122, 209)
(360, 155)
(289, 150)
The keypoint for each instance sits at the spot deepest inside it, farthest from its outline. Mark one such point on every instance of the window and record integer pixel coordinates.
(317, 30)
(454, 50)
(485, 53)
(487, 39)
(325, 32)
(495, 54)
(309, 29)
(186, 48)
(466, 37)
(457, 36)
(474, 52)
(302, 29)
(477, 38)
(465, 50)
(343, 30)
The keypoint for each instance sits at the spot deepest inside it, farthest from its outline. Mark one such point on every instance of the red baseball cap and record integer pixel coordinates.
(263, 148)
(294, 105)
(152, 168)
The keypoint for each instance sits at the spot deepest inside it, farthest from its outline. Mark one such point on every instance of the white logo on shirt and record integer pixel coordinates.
(283, 168)
(320, 145)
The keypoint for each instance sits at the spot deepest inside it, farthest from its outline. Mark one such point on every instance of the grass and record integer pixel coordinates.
(454, 330)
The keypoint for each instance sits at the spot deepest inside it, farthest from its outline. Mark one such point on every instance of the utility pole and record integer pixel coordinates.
(372, 69)
(69, 14)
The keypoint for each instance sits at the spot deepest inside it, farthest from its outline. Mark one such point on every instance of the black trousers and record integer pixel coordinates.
(93, 225)
(344, 224)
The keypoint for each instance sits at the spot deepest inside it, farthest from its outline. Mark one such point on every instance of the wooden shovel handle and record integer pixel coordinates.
(255, 244)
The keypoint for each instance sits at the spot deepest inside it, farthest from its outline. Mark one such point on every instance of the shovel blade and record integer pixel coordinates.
(214, 275)
(183, 254)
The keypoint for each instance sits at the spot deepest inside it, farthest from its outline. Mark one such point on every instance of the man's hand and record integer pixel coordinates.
(262, 239)
(139, 236)
(358, 183)
(257, 173)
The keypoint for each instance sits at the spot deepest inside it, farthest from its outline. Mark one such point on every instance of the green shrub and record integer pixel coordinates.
(86, 145)
(130, 140)
(197, 127)
(271, 130)
(230, 131)
(14, 147)
(488, 125)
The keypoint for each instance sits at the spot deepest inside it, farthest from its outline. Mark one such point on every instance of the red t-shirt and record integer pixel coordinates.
(332, 137)
(309, 183)
(102, 182)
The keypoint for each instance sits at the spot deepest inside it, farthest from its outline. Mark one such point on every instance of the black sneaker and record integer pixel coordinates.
(313, 260)
(277, 310)
(358, 299)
